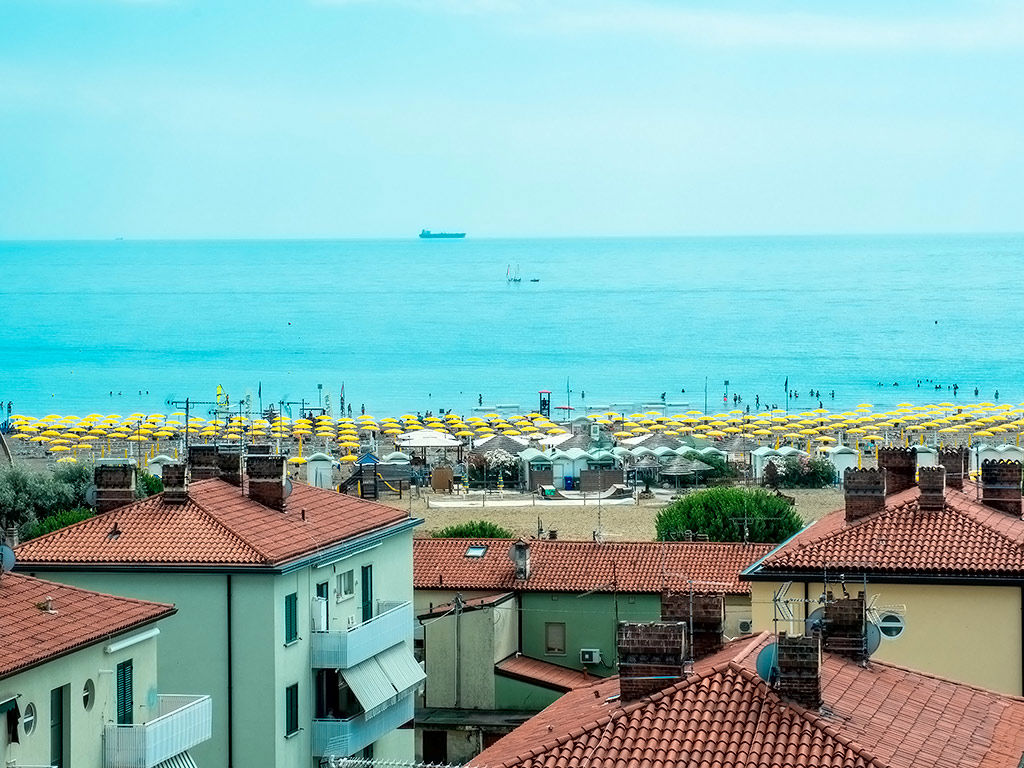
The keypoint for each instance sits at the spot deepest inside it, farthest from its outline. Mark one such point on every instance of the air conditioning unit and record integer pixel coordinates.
(590, 655)
(746, 627)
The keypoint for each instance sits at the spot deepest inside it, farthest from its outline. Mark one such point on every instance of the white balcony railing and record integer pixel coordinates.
(341, 649)
(343, 738)
(179, 723)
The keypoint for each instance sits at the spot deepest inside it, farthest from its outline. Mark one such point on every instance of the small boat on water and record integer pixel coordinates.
(534, 279)
(426, 234)
(513, 277)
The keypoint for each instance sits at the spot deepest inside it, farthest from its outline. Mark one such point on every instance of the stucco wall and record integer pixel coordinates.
(516, 694)
(967, 633)
(85, 727)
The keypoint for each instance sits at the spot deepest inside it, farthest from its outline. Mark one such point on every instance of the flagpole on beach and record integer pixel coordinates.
(705, 395)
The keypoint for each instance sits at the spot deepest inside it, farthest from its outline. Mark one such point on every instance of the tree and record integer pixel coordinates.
(805, 472)
(147, 484)
(34, 529)
(729, 514)
(473, 529)
(32, 495)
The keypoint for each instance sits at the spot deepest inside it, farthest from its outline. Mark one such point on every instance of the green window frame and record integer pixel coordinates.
(291, 709)
(125, 695)
(291, 618)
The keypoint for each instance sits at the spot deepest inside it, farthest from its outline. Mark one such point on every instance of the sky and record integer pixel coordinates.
(375, 118)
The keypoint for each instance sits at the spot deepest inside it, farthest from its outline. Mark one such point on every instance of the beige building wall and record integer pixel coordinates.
(85, 725)
(970, 634)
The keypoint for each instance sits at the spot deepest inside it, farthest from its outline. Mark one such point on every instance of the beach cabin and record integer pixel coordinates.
(759, 458)
(535, 468)
(842, 457)
(155, 466)
(926, 456)
(319, 471)
(982, 452)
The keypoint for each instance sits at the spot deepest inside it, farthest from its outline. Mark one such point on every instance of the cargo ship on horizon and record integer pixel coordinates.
(426, 234)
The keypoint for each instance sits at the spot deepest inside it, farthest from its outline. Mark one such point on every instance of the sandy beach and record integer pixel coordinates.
(628, 522)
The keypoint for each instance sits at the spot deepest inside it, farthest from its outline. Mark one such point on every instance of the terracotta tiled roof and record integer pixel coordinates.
(30, 635)
(964, 538)
(724, 715)
(543, 673)
(575, 566)
(469, 605)
(218, 525)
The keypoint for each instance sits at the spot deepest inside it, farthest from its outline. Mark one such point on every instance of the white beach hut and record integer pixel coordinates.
(759, 458)
(842, 457)
(319, 471)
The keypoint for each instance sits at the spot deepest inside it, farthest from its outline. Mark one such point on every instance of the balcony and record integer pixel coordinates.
(343, 738)
(179, 723)
(341, 649)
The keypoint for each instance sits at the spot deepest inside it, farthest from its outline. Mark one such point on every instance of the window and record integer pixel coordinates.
(554, 637)
(476, 550)
(346, 585)
(291, 709)
(291, 619)
(891, 625)
(88, 695)
(125, 703)
(28, 719)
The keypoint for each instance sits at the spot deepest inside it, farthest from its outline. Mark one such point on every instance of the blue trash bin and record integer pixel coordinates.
(570, 483)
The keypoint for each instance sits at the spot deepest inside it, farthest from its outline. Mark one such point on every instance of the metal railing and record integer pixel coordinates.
(344, 648)
(180, 722)
(341, 738)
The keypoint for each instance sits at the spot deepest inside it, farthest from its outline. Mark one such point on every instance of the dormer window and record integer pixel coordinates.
(476, 550)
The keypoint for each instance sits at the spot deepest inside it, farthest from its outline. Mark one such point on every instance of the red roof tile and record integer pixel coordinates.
(218, 525)
(30, 635)
(543, 673)
(574, 566)
(964, 538)
(724, 715)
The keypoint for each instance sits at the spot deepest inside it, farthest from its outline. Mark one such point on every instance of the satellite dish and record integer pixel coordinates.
(767, 664)
(287, 487)
(6, 558)
(90, 495)
(872, 637)
(815, 622)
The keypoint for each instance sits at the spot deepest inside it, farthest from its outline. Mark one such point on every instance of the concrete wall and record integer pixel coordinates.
(194, 642)
(971, 634)
(85, 727)
(517, 694)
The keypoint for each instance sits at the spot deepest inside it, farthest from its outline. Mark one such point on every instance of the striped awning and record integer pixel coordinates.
(379, 681)
(181, 760)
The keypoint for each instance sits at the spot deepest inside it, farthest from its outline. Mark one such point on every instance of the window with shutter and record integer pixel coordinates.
(125, 704)
(291, 709)
(291, 622)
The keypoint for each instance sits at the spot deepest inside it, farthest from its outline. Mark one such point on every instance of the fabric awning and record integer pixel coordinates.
(182, 760)
(379, 681)
(401, 668)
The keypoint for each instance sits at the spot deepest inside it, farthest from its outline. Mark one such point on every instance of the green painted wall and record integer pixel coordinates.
(85, 730)
(590, 622)
(519, 695)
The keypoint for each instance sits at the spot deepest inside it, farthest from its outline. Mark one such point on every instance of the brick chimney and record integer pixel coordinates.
(864, 491)
(229, 462)
(266, 480)
(259, 449)
(651, 657)
(843, 628)
(115, 486)
(957, 462)
(202, 462)
(519, 554)
(707, 619)
(900, 465)
(175, 483)
(1000, 486)
(799, 660)
(932, 482)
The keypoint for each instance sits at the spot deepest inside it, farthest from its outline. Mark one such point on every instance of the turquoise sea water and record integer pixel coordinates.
(418, 325)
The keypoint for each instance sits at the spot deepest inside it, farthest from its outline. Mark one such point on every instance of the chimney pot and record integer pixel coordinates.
(266, 480)
(520, 555)
(864, 491)
(115, 486)
(175, 483)
(202, 462)
(1000, 486)
(799, 660)
(932, 482)
(652, 656)
(900, 466)
(229, 463)
(956, 461)
(706, 614)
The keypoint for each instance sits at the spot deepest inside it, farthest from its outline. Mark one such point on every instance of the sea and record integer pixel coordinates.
(410, 325)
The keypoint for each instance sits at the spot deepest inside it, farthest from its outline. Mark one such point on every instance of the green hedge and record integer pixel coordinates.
(722, 513)
(474, 529)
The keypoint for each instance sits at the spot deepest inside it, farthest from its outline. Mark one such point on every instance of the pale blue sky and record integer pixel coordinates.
(181, 118)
